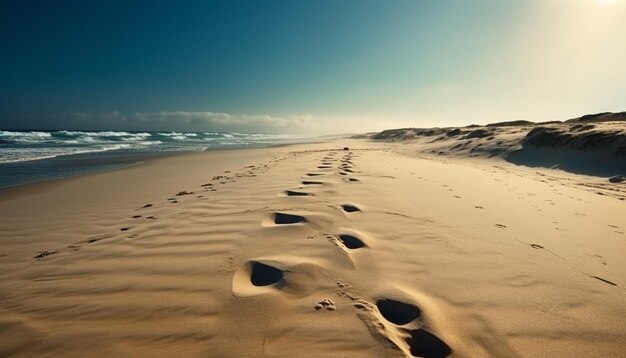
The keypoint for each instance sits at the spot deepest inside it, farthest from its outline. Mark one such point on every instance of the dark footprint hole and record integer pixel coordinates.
(397, 312)
(324, 167)
(348, 170)
(296, 193)
(284, 219)
(265, 275)
(353, 179)
(342, 173)
(308, 182)
(427, 345)
(351, 242)
(314, 174)
(350, 208)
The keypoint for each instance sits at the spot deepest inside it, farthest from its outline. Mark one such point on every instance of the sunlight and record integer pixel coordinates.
(605, 2)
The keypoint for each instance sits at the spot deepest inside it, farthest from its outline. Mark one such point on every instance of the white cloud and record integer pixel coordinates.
(187, 121)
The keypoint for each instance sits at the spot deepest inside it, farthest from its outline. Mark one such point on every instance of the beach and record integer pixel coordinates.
(343, 248)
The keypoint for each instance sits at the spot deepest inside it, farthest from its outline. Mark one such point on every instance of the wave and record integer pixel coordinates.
(13, 155)
(32, 136)
(16, 146)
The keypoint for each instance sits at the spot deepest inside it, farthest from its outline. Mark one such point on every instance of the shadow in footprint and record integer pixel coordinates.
(296, 193)
(349, 208)
(308, 182)
(351, 242)
(397, 312)
(427, 345)
(286, 219)
(265, 275)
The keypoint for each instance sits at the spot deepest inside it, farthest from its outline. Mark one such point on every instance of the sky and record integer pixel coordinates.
(319, 66)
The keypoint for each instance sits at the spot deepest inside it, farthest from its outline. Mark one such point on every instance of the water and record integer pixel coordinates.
(28, 156)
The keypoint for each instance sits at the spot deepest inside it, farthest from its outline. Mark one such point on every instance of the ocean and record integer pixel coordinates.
(30, 156)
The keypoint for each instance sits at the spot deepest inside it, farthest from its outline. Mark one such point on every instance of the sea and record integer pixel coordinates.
(31, 156)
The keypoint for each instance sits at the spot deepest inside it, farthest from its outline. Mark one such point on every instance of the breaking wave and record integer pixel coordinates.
(18, 146)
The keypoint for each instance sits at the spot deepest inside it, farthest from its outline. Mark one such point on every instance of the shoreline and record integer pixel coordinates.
(120, 161)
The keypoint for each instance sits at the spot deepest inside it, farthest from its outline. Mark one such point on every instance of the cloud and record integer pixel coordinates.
(187, 121)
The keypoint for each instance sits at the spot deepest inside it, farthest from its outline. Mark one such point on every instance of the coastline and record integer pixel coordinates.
(498, 259)
(73, 165)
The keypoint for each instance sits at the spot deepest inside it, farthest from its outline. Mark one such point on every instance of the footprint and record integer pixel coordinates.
(351, 242)
(146, 206)
(287, 219)
(265, 275)
(325, 303)
(397, 312)
(536, 246)
(308, 182)
(349, 208)
(425, 344)
(421, 342)
(296, 193)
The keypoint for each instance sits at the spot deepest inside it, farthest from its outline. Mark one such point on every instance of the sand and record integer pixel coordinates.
(315, 251)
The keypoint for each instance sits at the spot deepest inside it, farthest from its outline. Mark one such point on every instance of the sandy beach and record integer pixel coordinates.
(304, 179)
(312, 250)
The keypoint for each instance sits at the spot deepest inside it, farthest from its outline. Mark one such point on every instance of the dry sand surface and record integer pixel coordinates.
(315, 251)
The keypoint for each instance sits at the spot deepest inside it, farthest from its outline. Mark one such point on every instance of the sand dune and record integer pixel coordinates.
(311, 250)
(591, 144)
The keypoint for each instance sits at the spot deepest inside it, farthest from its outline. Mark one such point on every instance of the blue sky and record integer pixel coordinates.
(307, 66)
